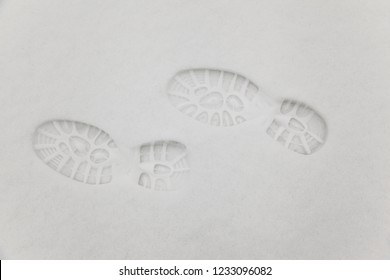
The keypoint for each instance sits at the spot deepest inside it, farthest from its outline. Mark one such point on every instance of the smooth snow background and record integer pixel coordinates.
(107, 63)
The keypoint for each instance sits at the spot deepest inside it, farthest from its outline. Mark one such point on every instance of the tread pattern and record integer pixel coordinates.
(160, 164)
(76, 150)
(215, 97)
(298, 127)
